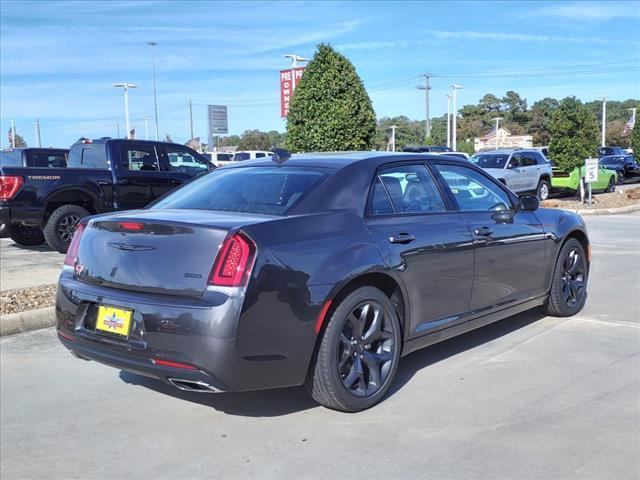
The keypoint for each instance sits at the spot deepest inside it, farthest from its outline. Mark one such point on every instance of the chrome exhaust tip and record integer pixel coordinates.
(193, 385)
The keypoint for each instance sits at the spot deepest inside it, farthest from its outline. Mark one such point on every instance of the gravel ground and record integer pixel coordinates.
(23, 299)
(619, 198)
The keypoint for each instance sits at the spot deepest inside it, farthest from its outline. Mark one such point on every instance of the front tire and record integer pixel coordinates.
(358, 354)
(26, 236)
(61, 225)
(543, 190)
(569, 283)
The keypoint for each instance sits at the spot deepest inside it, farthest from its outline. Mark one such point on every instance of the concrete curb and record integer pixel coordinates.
(607, 211)
(27, 321)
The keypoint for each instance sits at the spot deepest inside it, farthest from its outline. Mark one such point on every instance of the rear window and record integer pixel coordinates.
(88, 156)
(11, 159)
(264, 190)
(490, 161)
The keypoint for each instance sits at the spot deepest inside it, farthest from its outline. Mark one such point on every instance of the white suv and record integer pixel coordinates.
(522, 171)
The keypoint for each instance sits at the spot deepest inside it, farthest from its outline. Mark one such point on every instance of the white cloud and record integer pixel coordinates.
(588, 11)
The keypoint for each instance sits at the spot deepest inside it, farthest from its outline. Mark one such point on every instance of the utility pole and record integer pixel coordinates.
(426, 87)
(393, 137)
(38, 140)
(448, 120)
(497, 119)
(633, 118)
(118, 129)
(191, 117)
(455, 89)
(146, 128)
(155, 98)
(13, 135)
(604, 119)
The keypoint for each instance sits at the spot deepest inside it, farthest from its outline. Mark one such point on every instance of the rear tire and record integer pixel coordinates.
(4, 230)
(26, 236)
(620, 178)
(61, 224)
(358, 353)
(568, 292)
(543, 190)
(611, 187)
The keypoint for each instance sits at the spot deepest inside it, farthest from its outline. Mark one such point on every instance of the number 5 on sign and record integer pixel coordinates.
(591, 170)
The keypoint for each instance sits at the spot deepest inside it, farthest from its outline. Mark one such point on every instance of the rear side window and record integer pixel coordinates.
(11, 158)
(181, 160)
(410, 188)
(265, 190)
(139, 158)
(241, 156)
(528, 159)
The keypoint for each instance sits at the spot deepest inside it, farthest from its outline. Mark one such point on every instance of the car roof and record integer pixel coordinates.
(338, 160)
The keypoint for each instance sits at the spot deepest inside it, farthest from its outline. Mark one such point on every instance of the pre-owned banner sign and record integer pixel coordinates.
(289, 79)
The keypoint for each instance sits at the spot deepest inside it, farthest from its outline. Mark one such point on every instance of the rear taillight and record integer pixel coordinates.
(72, 252)
(9, 186)
(234, 262)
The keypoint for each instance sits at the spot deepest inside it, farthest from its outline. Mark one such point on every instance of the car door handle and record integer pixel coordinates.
(483, 231)
(402, 238)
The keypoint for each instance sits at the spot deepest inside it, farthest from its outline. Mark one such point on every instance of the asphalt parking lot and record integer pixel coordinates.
(529, 397)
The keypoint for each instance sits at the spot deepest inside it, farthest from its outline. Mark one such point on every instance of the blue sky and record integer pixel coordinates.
(58, 60)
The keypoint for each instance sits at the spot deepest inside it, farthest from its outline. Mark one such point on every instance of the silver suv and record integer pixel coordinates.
(521, 170)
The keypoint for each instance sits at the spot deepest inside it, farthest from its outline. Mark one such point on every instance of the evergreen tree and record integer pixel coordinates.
(574, 134)
(18, 142)
(635, 141)
(330, 109)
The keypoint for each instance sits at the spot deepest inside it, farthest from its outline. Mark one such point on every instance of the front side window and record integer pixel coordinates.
(183, 161)
(265, 190)
(410, 189)
(472, 190)
(139, 158)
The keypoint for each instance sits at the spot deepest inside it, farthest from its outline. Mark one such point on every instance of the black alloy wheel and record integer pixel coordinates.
(61, 225)
(358, 352)
(366, 349)
(569, 284)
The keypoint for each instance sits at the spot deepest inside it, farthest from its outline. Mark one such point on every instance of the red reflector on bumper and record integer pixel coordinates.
(65, 336)
(167, 363)
(323, 313)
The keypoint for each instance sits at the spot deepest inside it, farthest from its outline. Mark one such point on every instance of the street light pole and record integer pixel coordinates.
(38, 133)
(126, 86)
(604, 119)
(155, 99)
(497, 119)
(448, 120)
(393, 137)
(455, 116)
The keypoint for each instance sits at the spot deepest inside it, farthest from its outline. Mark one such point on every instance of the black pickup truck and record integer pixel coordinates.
(45, 204)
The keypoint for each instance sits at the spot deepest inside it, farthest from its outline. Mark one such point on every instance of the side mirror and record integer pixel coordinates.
(529, 203)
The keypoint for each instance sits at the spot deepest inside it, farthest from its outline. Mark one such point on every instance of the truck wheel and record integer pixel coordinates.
(61, 225)
(543, 190)
(611, 187)
(27, 236)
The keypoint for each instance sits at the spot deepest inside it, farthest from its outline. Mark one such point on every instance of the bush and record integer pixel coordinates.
(330, 109)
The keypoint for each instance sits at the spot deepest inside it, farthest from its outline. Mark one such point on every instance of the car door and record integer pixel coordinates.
(139, 177)
(516, 175)
(510, 245)
(425, 242)
(179, 165)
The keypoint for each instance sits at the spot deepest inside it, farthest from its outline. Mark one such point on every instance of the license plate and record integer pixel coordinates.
(113, 320)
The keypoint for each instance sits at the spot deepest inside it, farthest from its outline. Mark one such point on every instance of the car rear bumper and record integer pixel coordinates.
(211, 335)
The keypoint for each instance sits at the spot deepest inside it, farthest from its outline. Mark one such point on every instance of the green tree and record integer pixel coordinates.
(19, 141)
(330, 109)
(635, 141)
(254, 140)
(574, 134)
(409, 132)
(541, 113)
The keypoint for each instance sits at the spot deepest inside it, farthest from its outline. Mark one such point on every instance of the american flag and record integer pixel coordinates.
(490, 135)
(629, 125)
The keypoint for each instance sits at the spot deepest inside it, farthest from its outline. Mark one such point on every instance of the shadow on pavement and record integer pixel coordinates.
(273, 403)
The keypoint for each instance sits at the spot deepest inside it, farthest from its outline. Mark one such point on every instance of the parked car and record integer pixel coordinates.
(625, 166)
(606, 151)
(521, 170)
(426, 149)
(45, 204)
(251, 155)
(320, 269)
(219, 159)
(459, 155)
(34, 157)
(569, 182)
